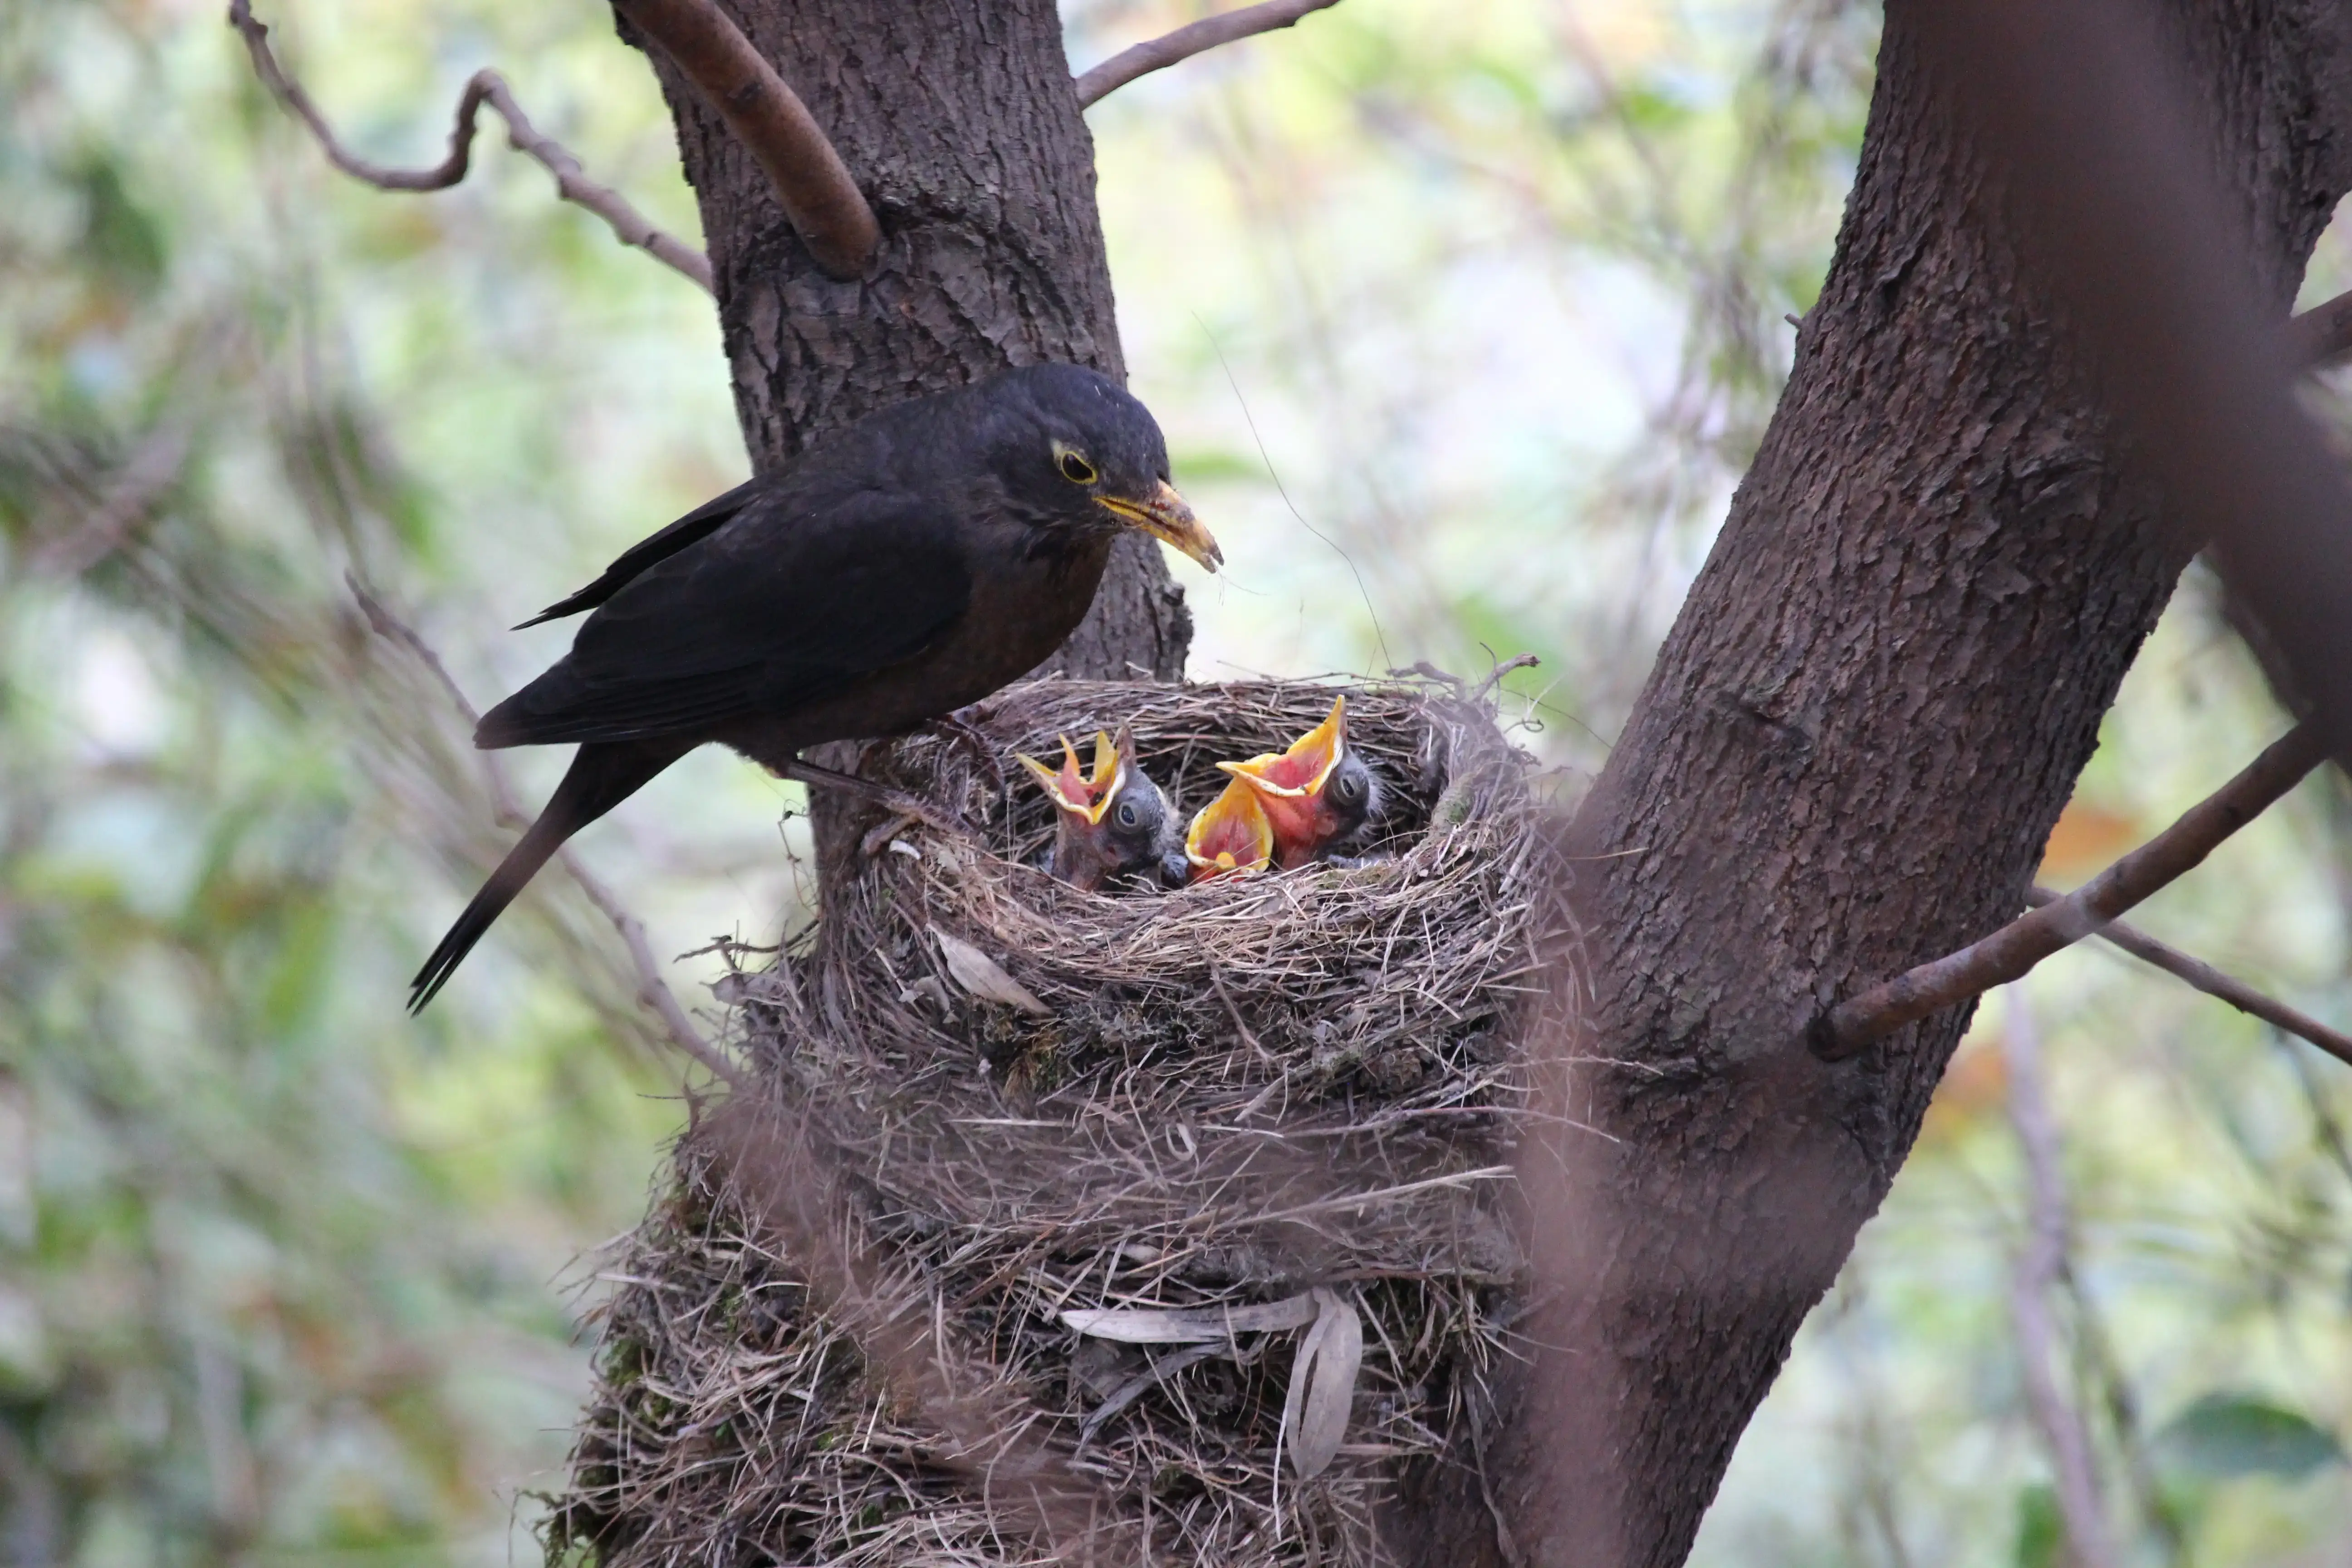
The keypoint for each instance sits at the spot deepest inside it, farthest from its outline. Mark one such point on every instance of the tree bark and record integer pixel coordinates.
(959, 123)
(1847, 760)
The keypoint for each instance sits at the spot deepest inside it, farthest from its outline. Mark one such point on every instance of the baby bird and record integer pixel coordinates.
(1112, 826)
(1230, 836)
(1318, 796)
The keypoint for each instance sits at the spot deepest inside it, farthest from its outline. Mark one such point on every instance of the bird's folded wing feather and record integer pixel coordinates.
(789, 602)
(692, 529)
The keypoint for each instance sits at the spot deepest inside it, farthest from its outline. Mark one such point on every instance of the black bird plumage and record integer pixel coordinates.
(909, 565)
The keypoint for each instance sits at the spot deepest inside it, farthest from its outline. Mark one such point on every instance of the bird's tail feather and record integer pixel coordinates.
(600, 778)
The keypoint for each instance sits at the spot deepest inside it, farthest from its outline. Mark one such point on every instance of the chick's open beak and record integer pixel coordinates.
(1165, 516)
(1231, 834)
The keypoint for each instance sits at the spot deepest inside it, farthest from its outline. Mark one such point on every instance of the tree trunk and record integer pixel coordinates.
(959, 121)
(1848, 758)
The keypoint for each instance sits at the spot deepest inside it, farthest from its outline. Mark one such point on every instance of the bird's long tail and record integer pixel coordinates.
(600, 778)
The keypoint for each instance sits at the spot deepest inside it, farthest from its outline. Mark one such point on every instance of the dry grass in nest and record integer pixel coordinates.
(844, 1337)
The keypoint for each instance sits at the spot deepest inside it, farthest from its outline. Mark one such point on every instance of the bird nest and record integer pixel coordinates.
(1148, 1226)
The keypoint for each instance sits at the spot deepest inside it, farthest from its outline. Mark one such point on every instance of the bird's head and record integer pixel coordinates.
(1073, 449)
(1317, 794)
(1113, 823)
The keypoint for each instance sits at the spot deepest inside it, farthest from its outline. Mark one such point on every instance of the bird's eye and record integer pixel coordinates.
(1127, 816)
(1349, 788)
(1073, 466)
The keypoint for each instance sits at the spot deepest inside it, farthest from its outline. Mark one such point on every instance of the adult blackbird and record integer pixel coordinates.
(912, 564)
(1113, 825)
(1318, 796)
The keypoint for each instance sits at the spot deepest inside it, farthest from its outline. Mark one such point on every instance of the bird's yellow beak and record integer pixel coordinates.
(1230, 835)
(1303, 770)
(1073, 792)
(1166, 516)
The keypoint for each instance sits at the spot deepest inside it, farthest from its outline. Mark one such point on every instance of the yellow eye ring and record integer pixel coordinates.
(1073, 466)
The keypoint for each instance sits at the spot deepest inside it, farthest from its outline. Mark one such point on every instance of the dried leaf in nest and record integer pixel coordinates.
(983, 976)
(1173, 1123)
(1323, 1385)
(1136, 1326)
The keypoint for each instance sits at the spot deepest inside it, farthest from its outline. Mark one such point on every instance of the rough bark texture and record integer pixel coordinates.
(958, 122)
(1869, 713)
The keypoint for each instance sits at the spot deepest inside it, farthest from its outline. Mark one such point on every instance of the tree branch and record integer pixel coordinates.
(2018, 947)
(631, 226)
(653, 991)
(2204, 977)
(153, 466)
(2042, 1265)
(809, 178)
(2321, 335)
(1160, 53)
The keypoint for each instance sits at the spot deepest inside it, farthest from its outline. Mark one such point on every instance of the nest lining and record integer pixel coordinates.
(1226, 1096)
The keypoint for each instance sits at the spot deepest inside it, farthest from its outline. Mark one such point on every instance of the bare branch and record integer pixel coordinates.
(810, 180)
(153, 467)
(2039, 1267)
(653, 991)
(1169, 48)
(2321, 335)
(2025, 941)
(2204, 977)
(628, 224)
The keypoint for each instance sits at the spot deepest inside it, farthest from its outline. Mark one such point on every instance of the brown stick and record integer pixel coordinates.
(2041, 1266)
(653, 991)
(809, 178)
(2204, 977)
(1845, 1029)
(1160, 53)
(154, 466)
(2321, 335)
(631, 226)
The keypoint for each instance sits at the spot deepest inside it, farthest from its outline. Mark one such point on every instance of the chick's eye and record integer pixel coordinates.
(1074, 468)
(1349, 788)
(1127, 816)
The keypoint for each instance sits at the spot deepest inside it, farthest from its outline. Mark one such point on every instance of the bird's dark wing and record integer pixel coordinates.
(792, 602)
(695, 526)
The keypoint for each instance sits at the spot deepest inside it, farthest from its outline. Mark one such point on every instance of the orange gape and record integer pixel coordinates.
(1230, 836)
(1312, 794)
(1114, 826)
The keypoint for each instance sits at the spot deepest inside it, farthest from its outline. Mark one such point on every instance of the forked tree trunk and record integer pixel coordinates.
(1867, 717)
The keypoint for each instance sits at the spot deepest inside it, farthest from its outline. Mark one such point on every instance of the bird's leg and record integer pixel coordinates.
(923, 811)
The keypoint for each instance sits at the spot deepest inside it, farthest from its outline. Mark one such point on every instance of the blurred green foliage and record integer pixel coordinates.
(1463, 320)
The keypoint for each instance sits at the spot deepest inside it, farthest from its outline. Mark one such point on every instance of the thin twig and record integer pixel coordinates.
(2204, 977)
(2025, 941)
(766, 116)
(2321, 335)
(1169, 48)
(2039, 1267)
(631, 226)
(653, 991)
(153, 466)
(1517, 661)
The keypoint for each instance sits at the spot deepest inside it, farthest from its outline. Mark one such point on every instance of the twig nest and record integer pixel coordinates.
(1197, 1201)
